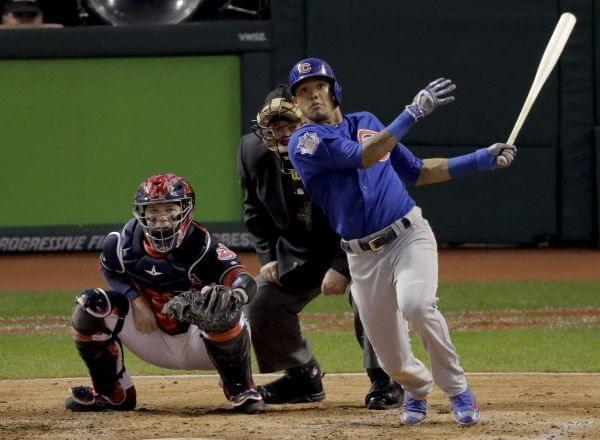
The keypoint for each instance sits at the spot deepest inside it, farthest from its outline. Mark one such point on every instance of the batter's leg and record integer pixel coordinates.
(384, 324)
(416, 278)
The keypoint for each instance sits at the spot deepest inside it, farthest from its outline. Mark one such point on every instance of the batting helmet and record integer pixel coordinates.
(314, 67)
(161, 189)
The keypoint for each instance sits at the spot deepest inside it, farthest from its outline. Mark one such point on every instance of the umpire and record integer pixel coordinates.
(300, 256)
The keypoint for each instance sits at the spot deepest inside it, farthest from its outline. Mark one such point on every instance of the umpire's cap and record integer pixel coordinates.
(281, 91)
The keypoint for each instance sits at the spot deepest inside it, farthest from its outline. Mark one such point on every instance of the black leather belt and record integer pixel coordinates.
(378, 241)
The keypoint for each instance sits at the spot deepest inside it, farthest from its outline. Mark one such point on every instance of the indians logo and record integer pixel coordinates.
(224, 253)
(364, 134)
(304, 68)
(308, 143)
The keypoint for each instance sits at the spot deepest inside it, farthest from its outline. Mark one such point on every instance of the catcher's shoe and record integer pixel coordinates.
(87, 399)
(384, 395)
(248, 402)
(465, 408)
(413, 411)
(297, 385)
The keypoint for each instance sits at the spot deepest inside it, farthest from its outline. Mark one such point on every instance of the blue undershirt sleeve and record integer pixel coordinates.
(406, 164)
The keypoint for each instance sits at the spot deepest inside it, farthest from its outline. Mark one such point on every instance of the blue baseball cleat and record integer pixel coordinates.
(465, 408)
(413, 411)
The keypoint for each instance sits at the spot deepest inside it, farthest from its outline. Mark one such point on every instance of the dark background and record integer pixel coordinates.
(383, 52)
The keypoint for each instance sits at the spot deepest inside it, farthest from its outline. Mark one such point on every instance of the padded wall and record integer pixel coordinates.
(384, 51)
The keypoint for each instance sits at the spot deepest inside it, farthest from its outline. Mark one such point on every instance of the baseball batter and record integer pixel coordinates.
(176, 303)
(357, 170)
(301, 257)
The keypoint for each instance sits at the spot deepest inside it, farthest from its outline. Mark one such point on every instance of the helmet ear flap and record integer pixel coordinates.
(337, 92)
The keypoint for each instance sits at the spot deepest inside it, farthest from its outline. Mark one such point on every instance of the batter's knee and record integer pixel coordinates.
(417, 301)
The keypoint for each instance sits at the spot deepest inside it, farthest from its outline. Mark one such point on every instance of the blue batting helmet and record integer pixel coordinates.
(311, 67)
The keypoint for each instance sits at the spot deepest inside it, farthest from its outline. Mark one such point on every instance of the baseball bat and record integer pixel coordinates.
(554, 48)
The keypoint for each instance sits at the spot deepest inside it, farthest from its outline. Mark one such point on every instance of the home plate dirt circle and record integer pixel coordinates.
(531, 406)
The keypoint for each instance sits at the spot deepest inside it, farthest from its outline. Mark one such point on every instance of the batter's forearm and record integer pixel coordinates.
(435, 170)
(386, 140)
(376, 147)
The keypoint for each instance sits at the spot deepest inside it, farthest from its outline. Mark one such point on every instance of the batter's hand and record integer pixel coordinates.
(270, 273)
(143, 317)
(504, 153)
(434, 95)
(334, 283)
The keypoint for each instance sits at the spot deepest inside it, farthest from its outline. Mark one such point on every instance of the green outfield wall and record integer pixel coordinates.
(78, 135)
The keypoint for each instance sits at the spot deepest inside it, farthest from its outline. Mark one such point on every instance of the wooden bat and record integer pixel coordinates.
(554, 48)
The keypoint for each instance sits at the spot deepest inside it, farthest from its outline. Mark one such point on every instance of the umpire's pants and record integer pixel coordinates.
(275, 326)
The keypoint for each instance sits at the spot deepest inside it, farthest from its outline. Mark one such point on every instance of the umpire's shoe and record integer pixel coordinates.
(297, 385)
(384, 395)
(87, 399)
(248, 402)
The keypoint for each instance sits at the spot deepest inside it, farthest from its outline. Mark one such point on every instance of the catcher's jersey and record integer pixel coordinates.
(133, 268)
(357, 201)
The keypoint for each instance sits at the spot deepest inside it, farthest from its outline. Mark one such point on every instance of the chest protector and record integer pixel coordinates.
(159, 277)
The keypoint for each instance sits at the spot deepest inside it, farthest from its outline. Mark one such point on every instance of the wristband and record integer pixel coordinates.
(400, 126)
(480, 160)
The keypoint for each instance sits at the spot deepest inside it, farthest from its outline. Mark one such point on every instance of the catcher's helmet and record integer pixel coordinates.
(314, 67)
(159, 189)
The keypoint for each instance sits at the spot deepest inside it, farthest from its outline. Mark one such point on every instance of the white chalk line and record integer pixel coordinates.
(193, 376)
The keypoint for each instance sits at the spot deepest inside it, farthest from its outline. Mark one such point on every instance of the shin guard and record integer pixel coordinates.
(231, 358)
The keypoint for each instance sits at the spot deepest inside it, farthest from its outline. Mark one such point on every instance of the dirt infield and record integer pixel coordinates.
(77, 271)
(531, 406)
(536, 406)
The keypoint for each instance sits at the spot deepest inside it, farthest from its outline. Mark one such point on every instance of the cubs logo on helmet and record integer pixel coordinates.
(304, 68)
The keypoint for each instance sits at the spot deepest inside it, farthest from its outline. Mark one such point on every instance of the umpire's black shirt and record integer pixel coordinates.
(287, 226)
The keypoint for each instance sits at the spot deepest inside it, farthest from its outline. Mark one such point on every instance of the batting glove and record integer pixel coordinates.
(434, 95)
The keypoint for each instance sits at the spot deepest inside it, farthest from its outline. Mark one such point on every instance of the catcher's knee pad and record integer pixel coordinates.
(93, 306)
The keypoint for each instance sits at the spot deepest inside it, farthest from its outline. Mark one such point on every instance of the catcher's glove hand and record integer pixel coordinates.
(214, 309)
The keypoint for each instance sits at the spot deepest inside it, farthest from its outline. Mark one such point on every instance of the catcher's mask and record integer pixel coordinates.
(272, 120)
(164, 228)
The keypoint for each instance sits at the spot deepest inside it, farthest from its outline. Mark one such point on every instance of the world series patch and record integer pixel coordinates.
(308, 143)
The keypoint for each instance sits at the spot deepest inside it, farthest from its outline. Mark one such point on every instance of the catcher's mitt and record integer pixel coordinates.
(214, 309)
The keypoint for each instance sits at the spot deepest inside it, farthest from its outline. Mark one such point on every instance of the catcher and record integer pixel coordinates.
(159, 253)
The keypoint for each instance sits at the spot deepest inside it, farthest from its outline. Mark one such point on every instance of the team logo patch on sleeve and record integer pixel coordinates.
(364, 134)
(224, 253)
(308, 143)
